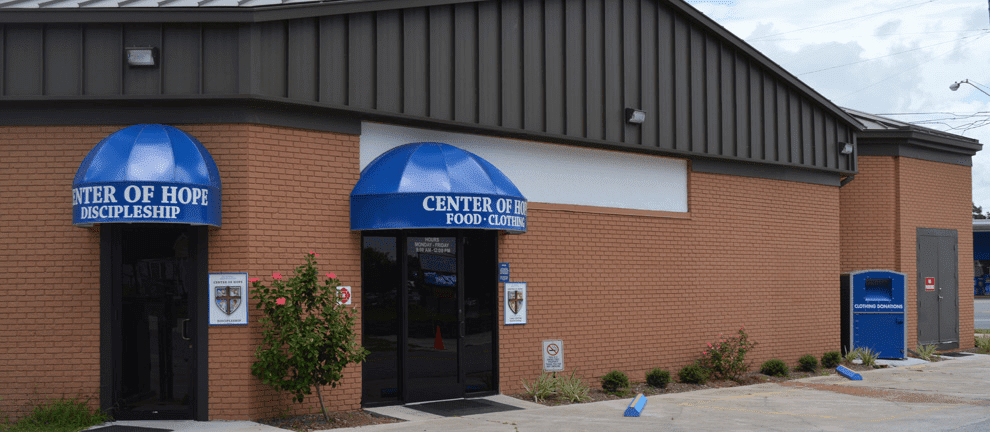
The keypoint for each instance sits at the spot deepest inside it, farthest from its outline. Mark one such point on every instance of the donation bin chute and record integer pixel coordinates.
(874, 312)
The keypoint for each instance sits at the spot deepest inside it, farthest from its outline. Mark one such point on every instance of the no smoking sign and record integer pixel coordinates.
(553, 355)
(344, 295)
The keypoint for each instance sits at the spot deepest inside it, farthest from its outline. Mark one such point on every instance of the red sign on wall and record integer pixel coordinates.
(929, 284)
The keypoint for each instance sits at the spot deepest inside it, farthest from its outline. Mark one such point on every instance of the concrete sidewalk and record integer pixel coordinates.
(951, 395)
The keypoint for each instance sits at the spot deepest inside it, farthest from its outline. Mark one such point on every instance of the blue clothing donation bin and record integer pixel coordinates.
(874, 312)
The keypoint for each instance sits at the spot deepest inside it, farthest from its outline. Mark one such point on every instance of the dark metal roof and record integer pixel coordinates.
(888, 137)
(555, 70)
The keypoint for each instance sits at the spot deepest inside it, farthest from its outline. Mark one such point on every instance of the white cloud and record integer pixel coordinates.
(913, 51)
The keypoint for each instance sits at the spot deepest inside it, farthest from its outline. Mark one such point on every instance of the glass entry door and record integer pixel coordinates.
(429, 311)
(154, 356)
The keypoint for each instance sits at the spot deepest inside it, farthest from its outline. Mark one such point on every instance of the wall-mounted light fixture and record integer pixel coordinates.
(142, 56)
(635, 116)
(847, 148)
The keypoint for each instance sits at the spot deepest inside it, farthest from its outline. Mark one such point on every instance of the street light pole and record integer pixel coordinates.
(955, 85)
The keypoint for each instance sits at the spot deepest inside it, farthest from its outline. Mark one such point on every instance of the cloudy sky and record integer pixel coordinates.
(888, 57)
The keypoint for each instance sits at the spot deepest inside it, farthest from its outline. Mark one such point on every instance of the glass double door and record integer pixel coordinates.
(429, 310)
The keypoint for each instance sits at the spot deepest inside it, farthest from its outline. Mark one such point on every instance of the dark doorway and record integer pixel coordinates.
(155, 336)
(429, 315)
(938, 303)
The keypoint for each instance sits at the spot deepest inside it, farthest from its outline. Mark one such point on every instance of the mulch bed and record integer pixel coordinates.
(316, 422)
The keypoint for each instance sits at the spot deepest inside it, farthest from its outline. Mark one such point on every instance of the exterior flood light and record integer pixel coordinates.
(142, 56)
(635, 116)
(847, 148)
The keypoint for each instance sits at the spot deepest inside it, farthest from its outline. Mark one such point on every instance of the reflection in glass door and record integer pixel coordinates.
(429, 311)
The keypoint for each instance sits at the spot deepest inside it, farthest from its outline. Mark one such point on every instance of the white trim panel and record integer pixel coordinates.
(556, 174)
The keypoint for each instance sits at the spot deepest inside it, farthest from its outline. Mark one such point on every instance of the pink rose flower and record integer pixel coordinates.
(317, 254)
(277, 276)
(253, 280)
(280, 301)
(331, 276)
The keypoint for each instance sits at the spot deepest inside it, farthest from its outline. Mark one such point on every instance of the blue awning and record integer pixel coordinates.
(147, 173)
(435, 185)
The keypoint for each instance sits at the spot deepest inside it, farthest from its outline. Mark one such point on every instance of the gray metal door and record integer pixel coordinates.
(938, 286)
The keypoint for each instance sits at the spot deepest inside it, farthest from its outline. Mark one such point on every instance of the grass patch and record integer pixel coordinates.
(983, 331)
(57, 415)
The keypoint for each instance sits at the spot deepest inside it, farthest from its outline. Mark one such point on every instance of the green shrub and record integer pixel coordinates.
(983, 343)
(572, 389)
(58, 415)
(615, 380)
(658, 378)
(927, 352)
(541, 388)
(774, 367)
(868, 356)
(726, 357)
(831, 359)
(693, 374)
(808, 363)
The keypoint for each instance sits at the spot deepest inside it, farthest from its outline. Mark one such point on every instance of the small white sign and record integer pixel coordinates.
(228, 298)
(553, 355)
(515, 303)
(344, 295)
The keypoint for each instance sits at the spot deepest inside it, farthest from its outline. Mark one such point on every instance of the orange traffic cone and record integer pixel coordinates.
(438, 343)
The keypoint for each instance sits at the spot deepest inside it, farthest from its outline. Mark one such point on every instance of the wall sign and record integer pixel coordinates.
(419, 210)
(503, 272)
(146, 202)
(344, 295)
(228, 298)
(553, 355)
(929, 284)
(515, 303)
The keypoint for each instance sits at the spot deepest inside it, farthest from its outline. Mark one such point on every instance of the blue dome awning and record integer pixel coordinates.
(435, 185)
(147, 173)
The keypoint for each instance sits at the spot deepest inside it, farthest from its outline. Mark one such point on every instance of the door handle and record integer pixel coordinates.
(940, 297)
(185, 328)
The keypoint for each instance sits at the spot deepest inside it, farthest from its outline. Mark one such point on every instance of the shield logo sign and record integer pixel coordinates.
(515, 301)
(228, 299)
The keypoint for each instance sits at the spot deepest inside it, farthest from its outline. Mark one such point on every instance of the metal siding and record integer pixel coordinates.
(665, 80)
(220, 71)
(304, 70)
(648, 72)
(783, 144)
(807, 149)
(819, 136)
(713, 93)
(613, 72)
(554, 106)
(682, 85)
(142, 80)
(361, 60)
(63, 59)
(180, 59)
(727, 78)
(594, 68)
(272, 62)
(632, 84)
(533, 57)
(415, 63)
(769, 119)
(742, 109)
(512, 65)
(574, 53)
(441, 64)
(466, 63)
(23, 60)
(794, 120)
(3, 52)
(755, 113)
(102, 59)
(333, 60)
(389, 61)
(831, 152)
(489, 81)
(697, 102)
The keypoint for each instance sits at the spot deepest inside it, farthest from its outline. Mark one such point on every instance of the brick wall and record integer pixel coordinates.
(285, 193)
(636, 292)
(50, 320)
(884, 206)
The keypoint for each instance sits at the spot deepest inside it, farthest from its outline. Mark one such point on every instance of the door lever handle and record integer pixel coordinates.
(185, 328)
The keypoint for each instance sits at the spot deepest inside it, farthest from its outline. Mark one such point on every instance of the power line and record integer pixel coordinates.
(844, 20)
(879, 34)
(888, 55)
